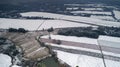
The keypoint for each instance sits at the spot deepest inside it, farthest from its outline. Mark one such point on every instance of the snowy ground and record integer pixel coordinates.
(84, 61)
(73, 18)
(5, 61)
(109, 41)
(117, 14)
(86, 40)
(108, 18)
(72, 8)
(16, 66)
(103, 40)
(42, 14)
(83, 49)
(34, 24)
(93, 9)
(92, 21)
(73, 39)
(91, 12)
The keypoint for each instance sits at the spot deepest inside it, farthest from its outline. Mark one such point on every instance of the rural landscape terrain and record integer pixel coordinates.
(60, 33)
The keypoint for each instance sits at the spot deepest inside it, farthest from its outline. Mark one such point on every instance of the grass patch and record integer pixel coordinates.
(48, 62)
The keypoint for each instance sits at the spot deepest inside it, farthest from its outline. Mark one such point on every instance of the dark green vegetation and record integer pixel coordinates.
(7, 47)
(7, 14)
(90, 32)
(12, 8)
(50, 29)
(2, 40)
(20, 30)
(48, 5)
(48, 62)
(20, 2)
(11, 51)
(16, 15)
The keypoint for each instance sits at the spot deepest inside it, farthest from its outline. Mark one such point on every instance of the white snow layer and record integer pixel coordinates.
(108, 18)
(117, 14)
(92, 9)
(16, 66)
(91, 12)
(5, 60)
(73, 39)
(109, 41)
(34, 24)
(86, 40)
(84, 61)
(73, 18)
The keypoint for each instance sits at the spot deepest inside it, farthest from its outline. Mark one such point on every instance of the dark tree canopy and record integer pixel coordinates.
(90, 32)
(20, 30)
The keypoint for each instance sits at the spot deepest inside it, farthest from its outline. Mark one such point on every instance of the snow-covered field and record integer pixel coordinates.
(83, 49)
(84, 61)
(92, 12)
(117, 14)
(109, 41)
(42, 14)
(16, 66)
(5, 61)
(103, 40)
(72, 8)
(80, 5)
(74, 47)
(34, 24)
(73, 18)
(92, 21)
(73, 39)
(86, 40)
(108, 18)
(92, 9)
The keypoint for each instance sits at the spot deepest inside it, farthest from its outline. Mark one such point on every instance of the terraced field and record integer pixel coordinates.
(30, 46)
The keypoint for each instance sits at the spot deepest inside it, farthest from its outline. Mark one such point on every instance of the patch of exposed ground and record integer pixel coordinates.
(30, 46)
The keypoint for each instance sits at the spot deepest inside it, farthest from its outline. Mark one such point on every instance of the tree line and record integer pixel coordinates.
(20, 30)
(90, 32)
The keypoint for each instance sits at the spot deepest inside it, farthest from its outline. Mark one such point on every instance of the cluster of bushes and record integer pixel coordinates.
(2, 40)
(109, 31)
(11, 51)
(20, 30)
(90, 32)
(9, 15)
